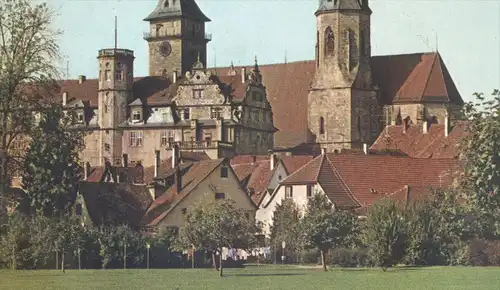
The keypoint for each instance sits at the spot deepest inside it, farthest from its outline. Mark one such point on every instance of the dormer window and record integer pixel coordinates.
(80, 117)
(136, 115)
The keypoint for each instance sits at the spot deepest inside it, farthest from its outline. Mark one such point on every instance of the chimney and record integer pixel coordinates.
(65, 99)
(243, 75)
(365, 148)
(81, 79)
(175, 155)
(174, 77)
(125, 160)
(323, 151)
(178, 180)
(405, 125)
(157, 163)
(425, 126)
(446, 125)
(86, 171)
(272, 161)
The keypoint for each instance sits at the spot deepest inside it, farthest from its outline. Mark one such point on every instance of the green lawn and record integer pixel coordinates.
(264, 277)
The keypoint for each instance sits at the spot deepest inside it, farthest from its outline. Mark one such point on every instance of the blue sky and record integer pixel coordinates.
(468, 33)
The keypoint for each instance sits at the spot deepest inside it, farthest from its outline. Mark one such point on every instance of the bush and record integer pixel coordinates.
(484, 253)
(349, 258)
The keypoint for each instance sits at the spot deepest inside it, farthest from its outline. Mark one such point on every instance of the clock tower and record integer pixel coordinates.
(176, 37)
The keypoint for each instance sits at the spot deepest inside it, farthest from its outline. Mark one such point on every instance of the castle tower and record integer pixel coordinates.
(343, 111)
(176, 36)
(116, 67)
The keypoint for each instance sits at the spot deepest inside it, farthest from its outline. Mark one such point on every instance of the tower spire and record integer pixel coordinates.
(116, 32)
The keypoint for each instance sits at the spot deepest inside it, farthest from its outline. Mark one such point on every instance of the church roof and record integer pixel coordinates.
(180, 8)
(407, 78)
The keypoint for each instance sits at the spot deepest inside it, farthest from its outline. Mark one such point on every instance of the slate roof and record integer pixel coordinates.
(181, 8)
(414, 143)
(357, 180)
(115, 203)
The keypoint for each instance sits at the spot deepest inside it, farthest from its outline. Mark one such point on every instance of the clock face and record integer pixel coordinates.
(165, 49)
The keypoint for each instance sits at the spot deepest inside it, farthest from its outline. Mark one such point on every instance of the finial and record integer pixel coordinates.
(198, 56)
(255, 59)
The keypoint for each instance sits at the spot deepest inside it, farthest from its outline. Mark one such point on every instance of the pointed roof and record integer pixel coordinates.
(329, 5)
(429, 81)
(166, 9)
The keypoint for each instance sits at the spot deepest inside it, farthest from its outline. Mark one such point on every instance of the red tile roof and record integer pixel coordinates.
(367, 178)
(294, 162)
(414, 143)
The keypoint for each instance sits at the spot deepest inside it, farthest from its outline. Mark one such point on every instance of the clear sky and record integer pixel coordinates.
(468, 33)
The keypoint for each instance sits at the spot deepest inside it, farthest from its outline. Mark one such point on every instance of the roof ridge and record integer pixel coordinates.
(299, 169)
(438, 56)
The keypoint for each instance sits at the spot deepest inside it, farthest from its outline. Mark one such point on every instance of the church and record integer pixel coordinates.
(341, 100)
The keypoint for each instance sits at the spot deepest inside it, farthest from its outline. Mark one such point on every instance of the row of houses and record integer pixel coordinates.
(161, 195)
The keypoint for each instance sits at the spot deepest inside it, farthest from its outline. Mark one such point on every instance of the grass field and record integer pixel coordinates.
(264, 277)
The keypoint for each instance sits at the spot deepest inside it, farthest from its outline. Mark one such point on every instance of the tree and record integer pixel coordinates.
(120, 244)
(286, 226)
(385, 233)
(482, 163)
(325, 227)
(51, 165)
(14, 241)
(210, 226)
(437, 229)
(28, 58)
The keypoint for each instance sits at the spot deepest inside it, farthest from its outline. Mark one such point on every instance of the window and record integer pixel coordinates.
(329, 42)
(136, 115)
(359, 126)
(215, 113)
(322, 125)
(167, 137)
(166, 4)
(353, 49)
(135, 139)
(107, 147)
(158, 29)
(288, 192)
(208, 137)
(309, 190)
(78, 209)
(317, 48)
(186, 114)
(80, 117)
(118, 75)
(220, 195)
(184, 211)
(107, 75)
(198, 93)
(224, 171)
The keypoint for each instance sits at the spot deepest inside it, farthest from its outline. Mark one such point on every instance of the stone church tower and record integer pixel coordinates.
(176, 37)
(343, 111)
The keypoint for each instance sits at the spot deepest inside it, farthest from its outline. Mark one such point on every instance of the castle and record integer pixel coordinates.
(341, 100)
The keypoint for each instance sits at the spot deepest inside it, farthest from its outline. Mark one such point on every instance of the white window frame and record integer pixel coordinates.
(288, 191)
(136, 115)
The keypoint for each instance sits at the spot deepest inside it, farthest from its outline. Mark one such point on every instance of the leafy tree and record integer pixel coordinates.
(286, 226)
(437, 228)
(28, 68)
(214, 225)
(325, 227)
(482, 170)
(14, 241)
(385, 233)
(51, 170)
(119, 245)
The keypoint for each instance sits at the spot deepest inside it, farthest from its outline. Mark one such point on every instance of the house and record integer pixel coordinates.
(190, 183)
(353, 181)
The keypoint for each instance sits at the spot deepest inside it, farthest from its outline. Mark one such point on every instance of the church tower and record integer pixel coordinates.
(176, 37)
(116, 67)
(343, 111)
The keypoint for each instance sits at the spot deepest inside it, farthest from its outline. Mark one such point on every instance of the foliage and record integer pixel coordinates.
(13, 242)
(326, 228)
(436, 227)
(217, 224)
(28, 68)
(482, 171)
(286, 226)
(349, 257)
(120, 246)
(51, 170)
(385, 233)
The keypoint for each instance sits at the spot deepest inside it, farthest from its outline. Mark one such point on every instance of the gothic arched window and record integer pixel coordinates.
(329, 41)
(322, 125)
(353, 49)
(166, 4)
(359, 126)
